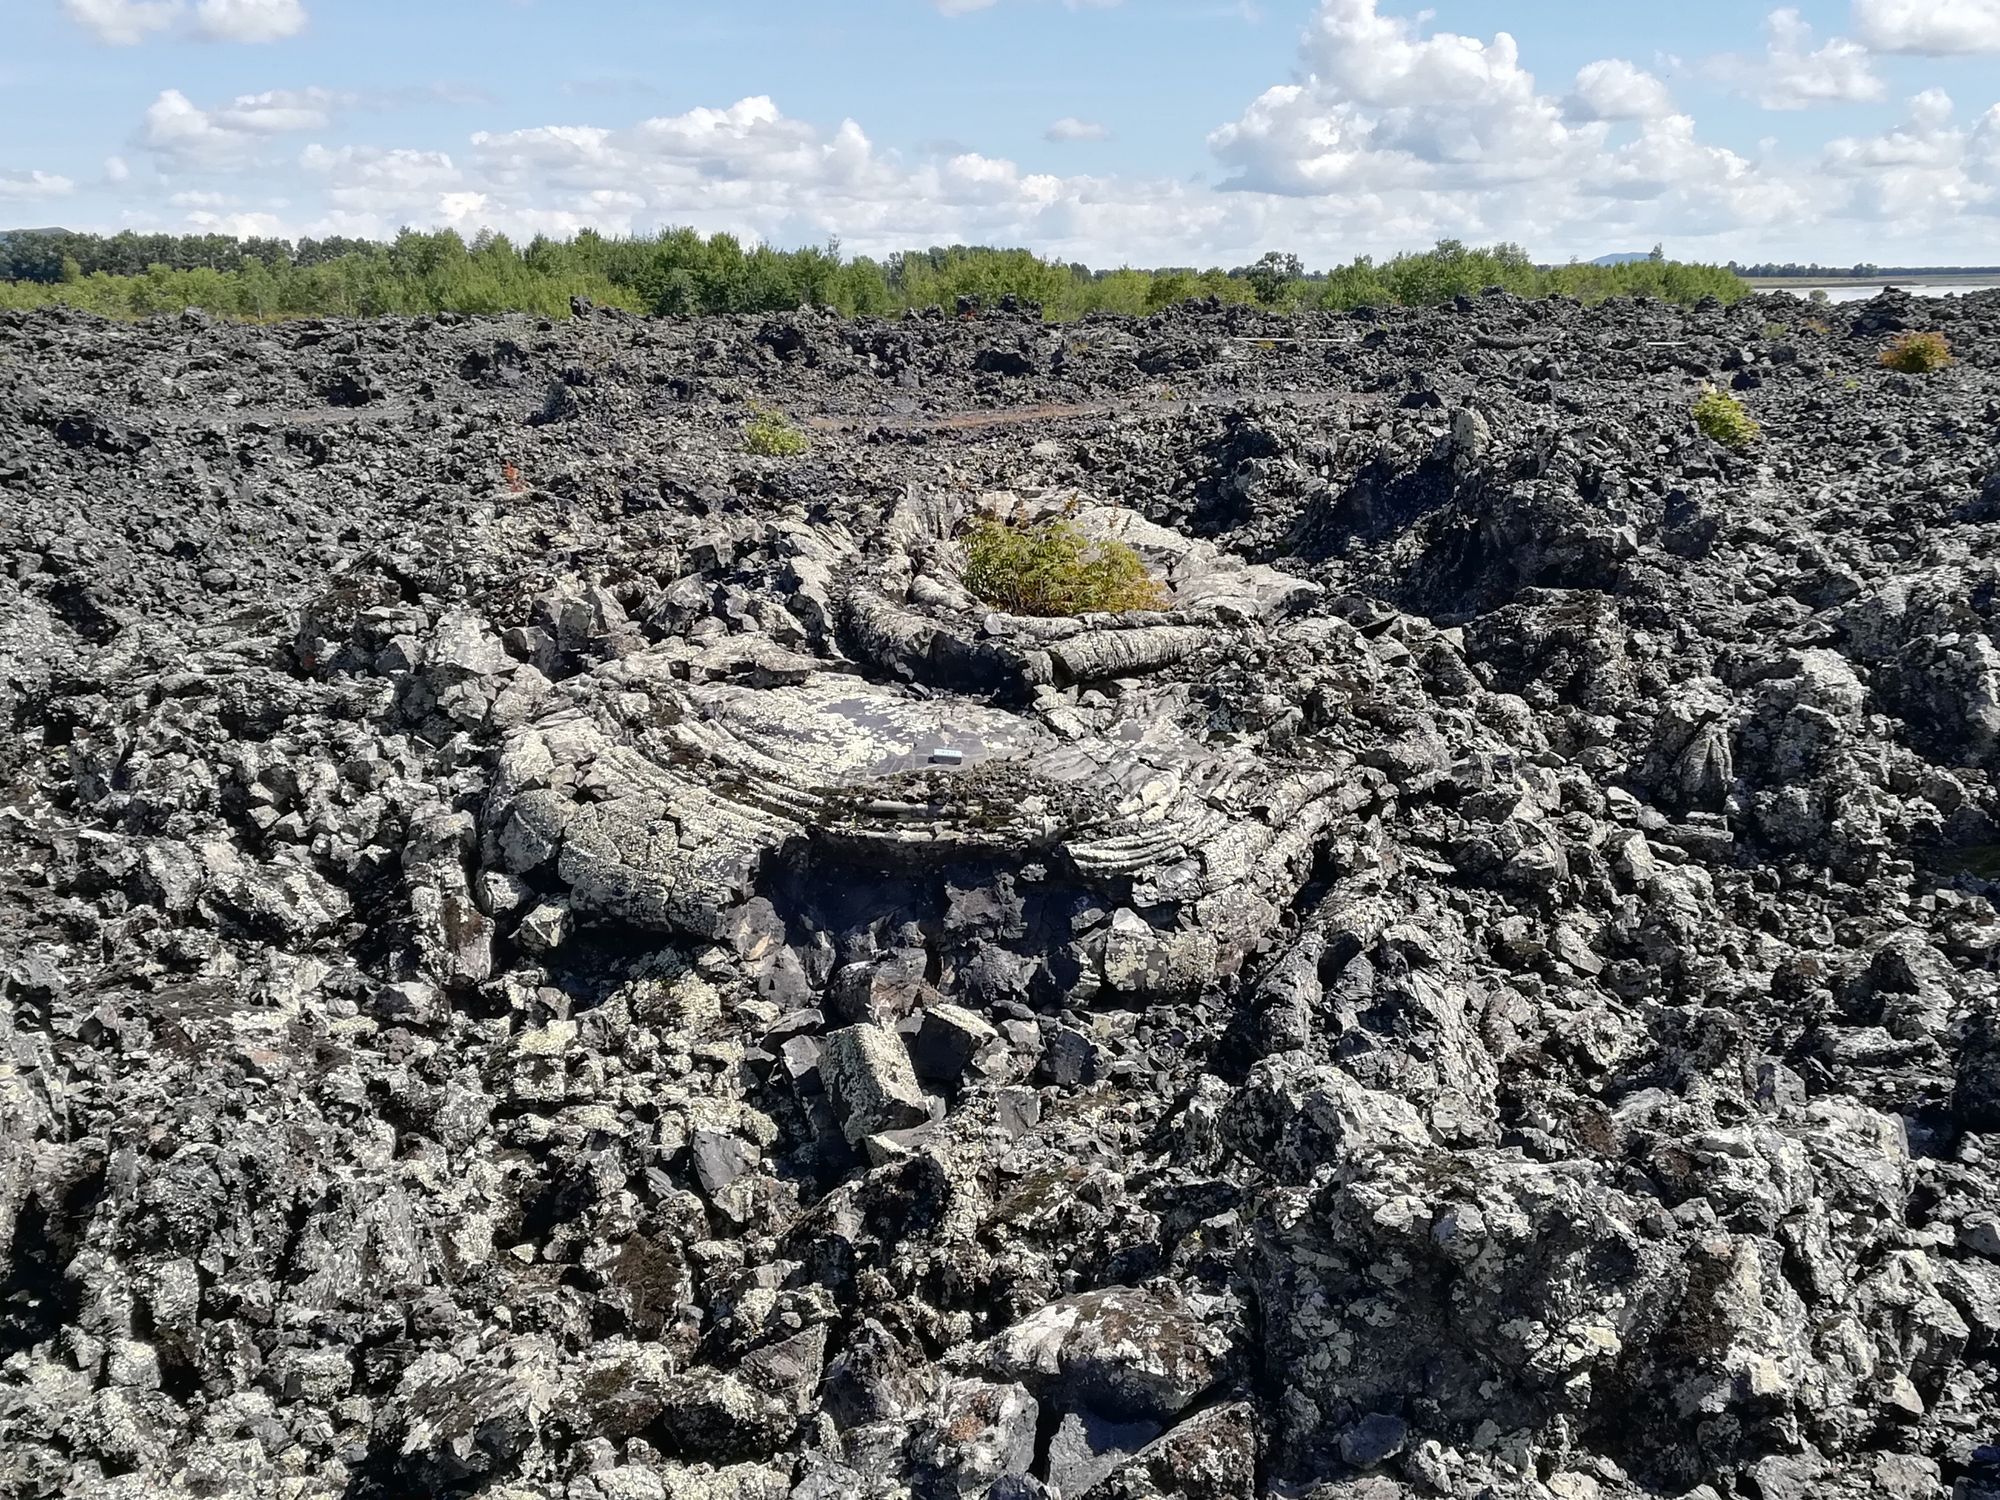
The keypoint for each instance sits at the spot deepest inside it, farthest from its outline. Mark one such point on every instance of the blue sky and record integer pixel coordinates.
(1148, 131)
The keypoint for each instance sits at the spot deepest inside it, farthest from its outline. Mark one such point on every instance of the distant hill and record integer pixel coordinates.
(1623, 258)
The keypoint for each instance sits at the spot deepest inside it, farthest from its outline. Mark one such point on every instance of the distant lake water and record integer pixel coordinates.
(1860, 291)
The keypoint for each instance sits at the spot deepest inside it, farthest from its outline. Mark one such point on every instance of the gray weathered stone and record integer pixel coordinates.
(869, 1078)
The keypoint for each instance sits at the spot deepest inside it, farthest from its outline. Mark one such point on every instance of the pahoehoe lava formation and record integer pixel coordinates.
(547, 956)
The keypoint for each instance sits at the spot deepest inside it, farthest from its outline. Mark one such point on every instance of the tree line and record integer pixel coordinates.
(41, 254)
(1863, 271)
(680, 273)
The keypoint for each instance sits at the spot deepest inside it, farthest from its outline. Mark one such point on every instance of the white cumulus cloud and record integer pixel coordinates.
(181, 134)
(1070, 128)
(121, 23)
(1614, 89)
(249, 20)
(1440, 133)
(278, 110)
(244, 224)
(178, 132)
(1922, 172)
(368, 187)
(1934, 28)
(26, 187)
(1794, 74)
(1383, 105)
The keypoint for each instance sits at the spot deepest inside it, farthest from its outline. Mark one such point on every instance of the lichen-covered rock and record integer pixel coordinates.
(973, 1436)
(1534, 1285)
(1121, 1352)
(868, 1076)
(1213, 1455)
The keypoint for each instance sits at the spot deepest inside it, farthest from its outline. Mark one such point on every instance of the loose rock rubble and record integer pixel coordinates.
(546, 956)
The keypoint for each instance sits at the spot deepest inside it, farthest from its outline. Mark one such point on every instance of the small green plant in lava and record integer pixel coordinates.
(1918, 353)
(1052, 569)
(769, 435)
(1722, 417)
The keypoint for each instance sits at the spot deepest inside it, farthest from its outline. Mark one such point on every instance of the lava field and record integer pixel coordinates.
(550, 957)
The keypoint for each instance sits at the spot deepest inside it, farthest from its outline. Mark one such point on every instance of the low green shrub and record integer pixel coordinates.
(769, 435)
(1723, 418)
(1053, 569)
(1918, 353)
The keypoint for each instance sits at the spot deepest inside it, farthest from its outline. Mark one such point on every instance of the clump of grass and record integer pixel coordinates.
(1052, 569)
(1776, 332)
(1724, 419)
(1918, 353)
(769, 435)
